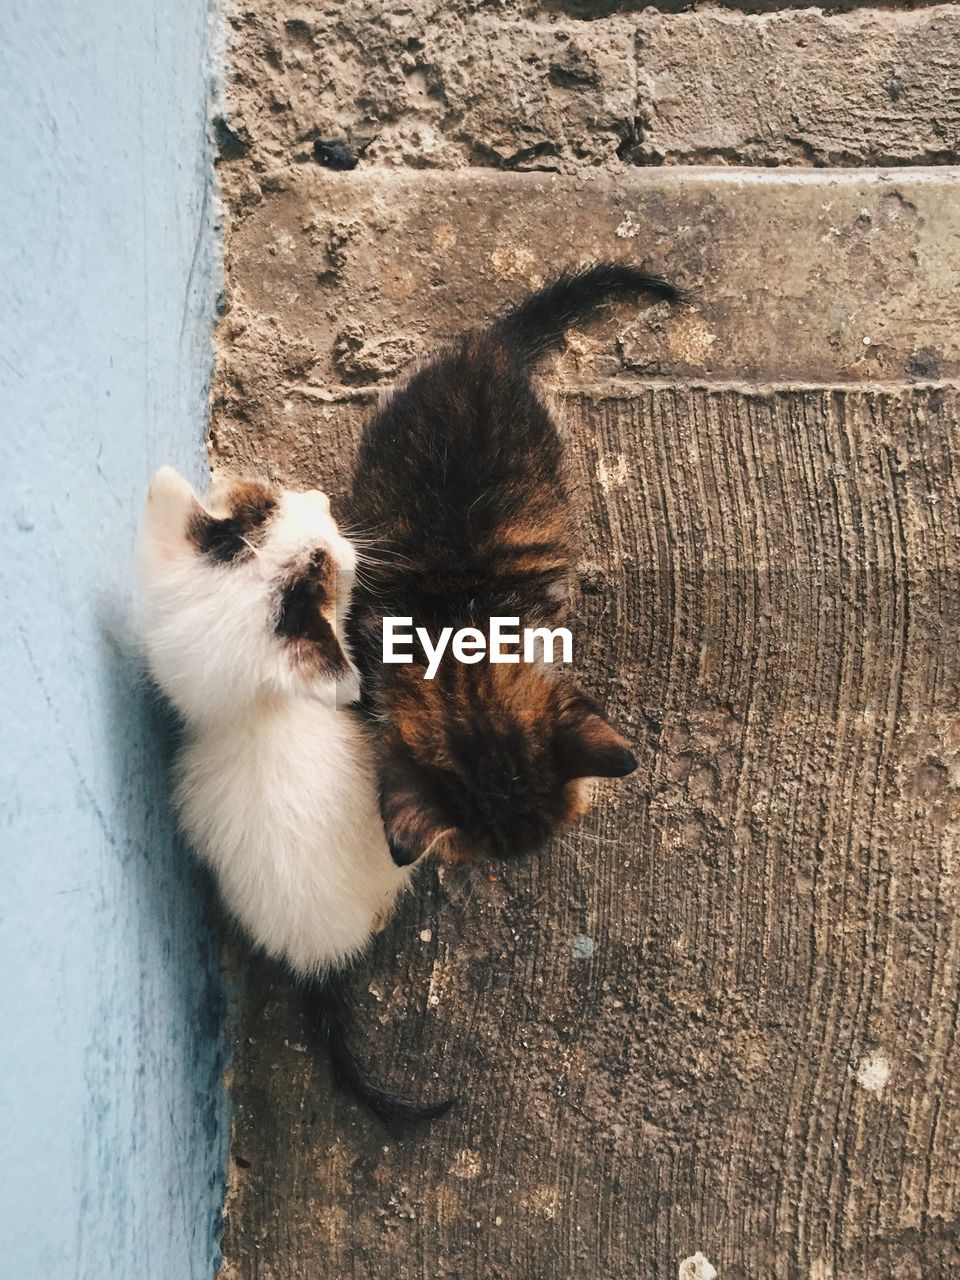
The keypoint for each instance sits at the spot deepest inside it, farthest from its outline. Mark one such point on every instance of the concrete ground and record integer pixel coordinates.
(714, 1029)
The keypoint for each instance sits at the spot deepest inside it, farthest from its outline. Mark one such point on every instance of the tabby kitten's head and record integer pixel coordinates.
(489, 762)
(243, 595)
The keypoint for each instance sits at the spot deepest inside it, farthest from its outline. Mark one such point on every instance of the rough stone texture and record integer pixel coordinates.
(721, 1016)
(713, 1030)
(434, 85)
(446, 85)
(799, 88)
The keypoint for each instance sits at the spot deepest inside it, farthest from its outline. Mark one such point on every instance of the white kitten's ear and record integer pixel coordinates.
(171, 505)
(319, 498)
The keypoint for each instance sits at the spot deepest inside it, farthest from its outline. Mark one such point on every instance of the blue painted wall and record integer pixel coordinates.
(113, 1124)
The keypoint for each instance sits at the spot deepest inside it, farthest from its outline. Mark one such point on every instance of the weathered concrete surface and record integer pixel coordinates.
(339, 279)
(585, 10)
(716, 1027)
(804, 88)
(721, 1016)
(446, 85)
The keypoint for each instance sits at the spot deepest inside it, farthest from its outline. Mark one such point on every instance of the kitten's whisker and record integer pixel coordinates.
(250, 546)
(365, 557)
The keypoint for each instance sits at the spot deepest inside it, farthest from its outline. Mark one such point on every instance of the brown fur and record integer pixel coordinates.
(234, 536)
(306, 616)
(307, 598)
(518, 728)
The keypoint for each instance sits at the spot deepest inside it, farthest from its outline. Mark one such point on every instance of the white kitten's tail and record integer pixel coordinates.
(329, 1019)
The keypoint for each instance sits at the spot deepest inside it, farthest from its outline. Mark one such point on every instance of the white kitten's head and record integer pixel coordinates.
(243, 595)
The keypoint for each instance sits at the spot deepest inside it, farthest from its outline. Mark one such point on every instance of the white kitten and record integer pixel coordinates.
(243, 600)
(243, 604)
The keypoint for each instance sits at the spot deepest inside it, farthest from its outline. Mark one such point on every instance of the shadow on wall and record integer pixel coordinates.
(178, 1044)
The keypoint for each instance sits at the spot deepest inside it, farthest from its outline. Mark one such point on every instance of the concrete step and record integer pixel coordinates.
(809, 275)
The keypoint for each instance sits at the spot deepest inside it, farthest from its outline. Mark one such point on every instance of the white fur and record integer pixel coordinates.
(275, 782)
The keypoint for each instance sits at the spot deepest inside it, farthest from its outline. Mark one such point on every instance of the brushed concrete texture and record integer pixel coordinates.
(113, 1119)
(718, 1017)
(460, 84)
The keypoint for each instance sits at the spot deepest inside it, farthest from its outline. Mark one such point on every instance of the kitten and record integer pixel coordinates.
(460, 481)
(243, 600)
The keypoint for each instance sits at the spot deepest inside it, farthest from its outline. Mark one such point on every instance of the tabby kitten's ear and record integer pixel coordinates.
(587, 745)
(413, 827)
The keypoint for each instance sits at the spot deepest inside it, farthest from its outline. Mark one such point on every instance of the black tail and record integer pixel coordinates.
(329, 1019)
(538, 323)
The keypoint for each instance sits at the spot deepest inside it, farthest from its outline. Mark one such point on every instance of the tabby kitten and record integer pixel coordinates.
(459, 481)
